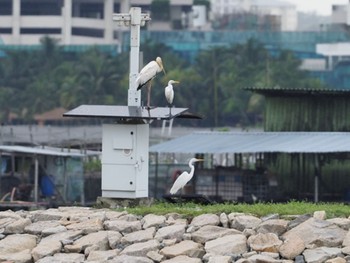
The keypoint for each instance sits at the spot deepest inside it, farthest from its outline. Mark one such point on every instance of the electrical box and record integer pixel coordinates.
(125, 160)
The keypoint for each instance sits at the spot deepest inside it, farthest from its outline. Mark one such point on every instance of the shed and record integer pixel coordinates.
(261, 149)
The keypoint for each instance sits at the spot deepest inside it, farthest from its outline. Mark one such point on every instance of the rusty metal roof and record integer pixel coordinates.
(257, 142)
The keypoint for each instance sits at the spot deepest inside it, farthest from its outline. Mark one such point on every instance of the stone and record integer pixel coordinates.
(242, 222)
(9, 214)
(17, 243)
(63, 257)
(123, 226)
(219, 259)
(318, 233)
(265, 242)
(114, 238)
(23, 256)
(53, 230)
(140, 249)
(343, 223)
(170, 232)
(183, 259)
(292, 247)
(37, 227)
(98, 239)
(231, 244)
(276, 226)
(205, 219)
(320, 254)
(17, 227)
(336, 260)
(151, 220)
(48, 215)
(321, 215)
(210, 232)
(101, 256)
(88, 226)
(46, 248)
(139, 236)
(346, 240)
(130, 259)
(155, 256)
(224, 220)
(187, 248)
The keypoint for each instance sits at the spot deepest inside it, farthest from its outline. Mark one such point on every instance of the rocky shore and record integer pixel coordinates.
(78, 234)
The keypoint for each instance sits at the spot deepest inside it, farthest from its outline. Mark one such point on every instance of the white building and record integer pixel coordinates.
(73, 22)
(284, 12)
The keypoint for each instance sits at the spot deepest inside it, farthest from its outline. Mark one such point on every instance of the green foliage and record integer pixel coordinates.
(210, 86)
(257, 209)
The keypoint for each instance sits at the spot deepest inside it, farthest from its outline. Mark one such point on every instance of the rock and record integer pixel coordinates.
(276, 226)
(101, 256)
(10, 215)
(123, 226)
(130, 259)
(46, 248)
(47, 215)
(53, 230)
(205, 219)
(139, 236)
(265, 242)
(298, 220)
(336, 260)
(170, 232)
(343, 223)
(318, 233)
(224, 220)
(141, 249)
(242, 222)
(219, 259)
(321, 215)
(98, 239)
(151, 220)
(16, 243)
(17, 227)
(88, 226)
(23, 256)
(210, 232)
(155, 256)
(231, 244)
(37, 227)
(183, 259)
(114, 238)
(292, 247)
(187, 248)
(346, 240)
(320, 254)
(62, 257)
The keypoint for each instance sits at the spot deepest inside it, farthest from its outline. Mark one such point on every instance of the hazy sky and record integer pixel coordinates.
(323, 7)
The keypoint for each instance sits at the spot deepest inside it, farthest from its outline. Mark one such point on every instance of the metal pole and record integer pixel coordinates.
(36, 179)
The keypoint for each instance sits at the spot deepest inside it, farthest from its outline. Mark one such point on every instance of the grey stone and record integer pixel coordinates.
(170, 232)
(320, 254)
(130, 259)
(114, 238)
(23, 256)
(102, 255)
(46, 248)
(123, 226)
(318, 233)
(141, 249)
(139, 236)
(17, 227)
(292, 247)
(224, 220)
(37, 227)
(187, 248)
(210, 232)
(155, 256)
(183, 259)
(17, 243)
(276, 226)
(343, 223)
(242, 222)
(205, 219)
(98, 239)
(88, 226)
(151, 220)
(231, 244)
(265, 242)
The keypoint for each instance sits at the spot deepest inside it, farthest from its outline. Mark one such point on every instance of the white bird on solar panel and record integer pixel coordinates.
(147, 74)
(185, 177)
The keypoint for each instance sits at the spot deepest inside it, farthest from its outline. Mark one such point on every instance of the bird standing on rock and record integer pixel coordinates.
(185, 177)
(147, 74)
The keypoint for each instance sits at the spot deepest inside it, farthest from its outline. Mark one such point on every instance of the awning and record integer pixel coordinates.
(257, 142)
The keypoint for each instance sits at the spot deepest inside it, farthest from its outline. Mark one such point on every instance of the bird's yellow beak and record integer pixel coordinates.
(200, 160)
(177, 82)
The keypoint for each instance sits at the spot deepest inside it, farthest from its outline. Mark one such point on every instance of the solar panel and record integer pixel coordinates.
(125, 112)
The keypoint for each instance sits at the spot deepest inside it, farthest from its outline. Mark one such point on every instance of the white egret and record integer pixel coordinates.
(185, 177)
(146, 75)
(169, 93)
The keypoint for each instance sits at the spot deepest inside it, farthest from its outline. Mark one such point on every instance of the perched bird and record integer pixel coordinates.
(169, 91)
(185, 177)
(146, 75)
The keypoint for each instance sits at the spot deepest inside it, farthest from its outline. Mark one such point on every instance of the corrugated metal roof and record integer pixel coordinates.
(257, 142)
(296, 90)
(45, 151)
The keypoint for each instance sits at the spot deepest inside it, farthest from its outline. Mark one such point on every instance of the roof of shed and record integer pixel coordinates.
(257, 142)
(299, 91)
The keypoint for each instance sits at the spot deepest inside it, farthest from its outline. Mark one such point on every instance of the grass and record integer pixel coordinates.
(257, 209)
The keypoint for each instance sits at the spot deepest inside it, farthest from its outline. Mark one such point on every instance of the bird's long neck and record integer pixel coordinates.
(192, 169)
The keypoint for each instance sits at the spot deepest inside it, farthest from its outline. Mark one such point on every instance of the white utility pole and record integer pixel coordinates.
(135, 19)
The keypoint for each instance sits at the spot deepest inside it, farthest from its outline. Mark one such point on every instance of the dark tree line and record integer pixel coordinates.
(39, 80)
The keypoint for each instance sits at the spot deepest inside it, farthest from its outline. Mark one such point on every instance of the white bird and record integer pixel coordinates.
(146, 75)
(169, 91)
(185, 177)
